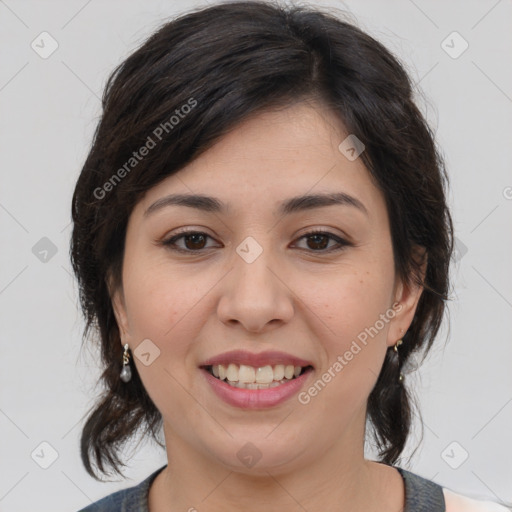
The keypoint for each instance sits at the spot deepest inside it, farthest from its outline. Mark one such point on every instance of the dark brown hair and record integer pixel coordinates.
(227, 62)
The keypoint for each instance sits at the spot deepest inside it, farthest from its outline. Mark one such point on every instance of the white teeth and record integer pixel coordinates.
(278, 371)
(248, 377)
(288, 371)
(246, 374)
(255, 385)
(264, 375)
(232, 372)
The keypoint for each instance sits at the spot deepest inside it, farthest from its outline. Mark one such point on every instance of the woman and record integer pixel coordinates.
(261, 238)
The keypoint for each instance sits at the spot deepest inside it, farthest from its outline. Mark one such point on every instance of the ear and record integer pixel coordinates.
(119, 307)
(406, 297)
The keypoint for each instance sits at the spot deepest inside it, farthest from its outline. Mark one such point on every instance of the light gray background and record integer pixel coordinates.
(49, 109)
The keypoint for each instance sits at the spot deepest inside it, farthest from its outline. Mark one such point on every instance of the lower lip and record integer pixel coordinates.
(256, 398)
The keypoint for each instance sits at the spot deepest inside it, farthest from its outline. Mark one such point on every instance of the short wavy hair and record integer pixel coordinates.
(235, 59)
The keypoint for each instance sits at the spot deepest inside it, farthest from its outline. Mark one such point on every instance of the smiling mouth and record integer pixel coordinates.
(248, 377)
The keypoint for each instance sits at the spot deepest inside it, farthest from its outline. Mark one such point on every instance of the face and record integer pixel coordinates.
(253, 278)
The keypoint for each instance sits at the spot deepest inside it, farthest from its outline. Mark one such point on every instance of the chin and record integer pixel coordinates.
(259, 455)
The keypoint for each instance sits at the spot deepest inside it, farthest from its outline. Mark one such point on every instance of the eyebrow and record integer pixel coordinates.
(287, 207)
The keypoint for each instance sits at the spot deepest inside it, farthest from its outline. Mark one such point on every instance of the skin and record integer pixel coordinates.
(294, 297)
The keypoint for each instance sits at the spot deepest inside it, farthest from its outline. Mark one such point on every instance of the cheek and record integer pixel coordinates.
(353, 339)
(158, 298)
(349, 305)
(165, 309)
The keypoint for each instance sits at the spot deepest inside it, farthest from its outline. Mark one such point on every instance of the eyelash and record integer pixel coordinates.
(171, 242)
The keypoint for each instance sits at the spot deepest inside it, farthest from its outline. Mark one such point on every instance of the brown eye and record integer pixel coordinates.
(193, 241)
(318, 241)
(322, 242)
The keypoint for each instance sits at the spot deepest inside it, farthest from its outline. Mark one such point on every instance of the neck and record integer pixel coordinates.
(340, 479)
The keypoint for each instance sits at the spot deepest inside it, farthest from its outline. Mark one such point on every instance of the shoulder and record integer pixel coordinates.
(459, 503)
(423, 495)
(134, 499)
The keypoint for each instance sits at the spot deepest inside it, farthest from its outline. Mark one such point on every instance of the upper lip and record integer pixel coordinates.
(270, 358)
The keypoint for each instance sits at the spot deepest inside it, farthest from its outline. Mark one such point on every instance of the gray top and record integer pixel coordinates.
(421, 495)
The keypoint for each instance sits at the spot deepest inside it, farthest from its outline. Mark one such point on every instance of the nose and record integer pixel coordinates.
(255, 295)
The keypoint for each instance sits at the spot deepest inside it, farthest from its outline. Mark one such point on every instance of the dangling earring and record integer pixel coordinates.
(395, 348)
(126, 372)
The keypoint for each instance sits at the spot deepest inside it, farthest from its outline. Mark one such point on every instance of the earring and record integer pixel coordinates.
(126, 372)
(395, 348)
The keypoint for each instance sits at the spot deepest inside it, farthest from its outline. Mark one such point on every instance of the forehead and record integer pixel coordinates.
(272, 156)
